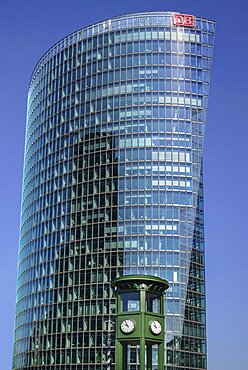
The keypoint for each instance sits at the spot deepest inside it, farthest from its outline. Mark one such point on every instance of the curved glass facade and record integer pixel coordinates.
(113, 185)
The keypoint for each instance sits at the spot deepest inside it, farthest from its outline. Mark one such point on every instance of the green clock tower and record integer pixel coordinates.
(139, 320)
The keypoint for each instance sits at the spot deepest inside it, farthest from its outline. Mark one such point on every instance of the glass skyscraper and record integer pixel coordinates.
(112, 185)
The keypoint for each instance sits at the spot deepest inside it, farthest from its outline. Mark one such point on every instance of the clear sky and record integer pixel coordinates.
(28, 29)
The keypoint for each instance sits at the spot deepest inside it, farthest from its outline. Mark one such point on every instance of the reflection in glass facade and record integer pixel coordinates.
(113, 185)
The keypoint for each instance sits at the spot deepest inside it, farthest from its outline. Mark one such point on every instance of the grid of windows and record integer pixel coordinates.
(112, 186)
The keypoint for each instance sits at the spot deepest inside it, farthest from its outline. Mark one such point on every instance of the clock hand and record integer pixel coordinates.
(126, 324)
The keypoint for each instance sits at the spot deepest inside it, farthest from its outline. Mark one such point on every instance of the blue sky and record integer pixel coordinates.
(28, 29)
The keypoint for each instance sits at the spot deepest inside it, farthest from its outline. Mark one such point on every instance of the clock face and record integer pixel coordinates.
(127, 326)
(155, 327)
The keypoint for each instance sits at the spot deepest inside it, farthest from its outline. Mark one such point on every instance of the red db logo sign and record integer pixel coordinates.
(184, 20)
